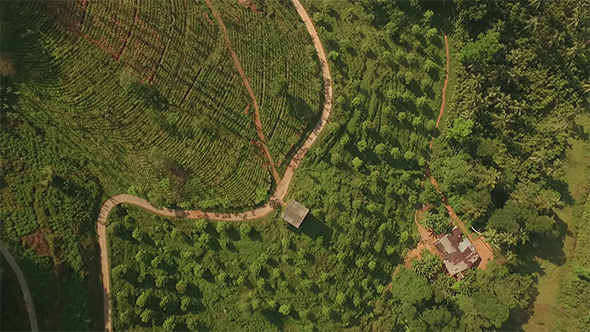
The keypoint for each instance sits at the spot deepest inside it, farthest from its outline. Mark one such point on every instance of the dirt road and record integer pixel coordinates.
(444, 93)
(484, 250)
(276, 199)
(23, 286)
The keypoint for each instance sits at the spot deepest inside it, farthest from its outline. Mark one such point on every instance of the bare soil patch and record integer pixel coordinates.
(250, 4)
(414, 253)
(7, 66)
(37, 242)
(484, 251)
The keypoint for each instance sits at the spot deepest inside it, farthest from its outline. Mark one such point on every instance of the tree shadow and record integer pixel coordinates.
(272, 318)
(233, 234)
(314, 228)
(545, 247)
(579, 133)
(255, 235)
(563, 188)
(334, 14)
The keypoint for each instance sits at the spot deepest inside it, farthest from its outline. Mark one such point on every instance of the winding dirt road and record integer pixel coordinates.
(276, 199)
(23, 286)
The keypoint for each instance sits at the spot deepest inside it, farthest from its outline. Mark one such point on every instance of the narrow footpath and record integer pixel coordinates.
(247, 85)
(484, 250)
(276, 200)
(23, 286)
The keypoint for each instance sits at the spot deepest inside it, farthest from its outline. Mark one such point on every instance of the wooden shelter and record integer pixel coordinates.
(294, 213)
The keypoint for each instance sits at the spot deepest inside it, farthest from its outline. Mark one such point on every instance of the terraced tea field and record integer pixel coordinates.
(146, 92)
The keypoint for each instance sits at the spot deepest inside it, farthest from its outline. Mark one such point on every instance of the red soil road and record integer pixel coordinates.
(484, 250)
(444, 91)
(247, 85)
(275, 201)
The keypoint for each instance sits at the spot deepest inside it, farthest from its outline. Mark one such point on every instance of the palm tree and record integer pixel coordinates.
(539, 155)
(492, 237)
(470, 209)
(535, 4)
(518, 107)
(556, 39)
(489, 178)
(503, 102)
(502, 120)
(522, 236)
(532, 23)
(574, 19)
(508, 238)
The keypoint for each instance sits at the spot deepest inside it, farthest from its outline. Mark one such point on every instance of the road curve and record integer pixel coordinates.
(274, 202)
(23, 286)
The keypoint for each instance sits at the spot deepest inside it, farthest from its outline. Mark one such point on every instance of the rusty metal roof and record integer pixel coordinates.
(458, 253)
(294, 213)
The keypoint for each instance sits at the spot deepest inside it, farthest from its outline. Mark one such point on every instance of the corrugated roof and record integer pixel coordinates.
(449, 248)
(294, 213)
(458, 253)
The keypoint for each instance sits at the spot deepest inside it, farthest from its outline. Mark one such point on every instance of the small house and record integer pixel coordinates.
(458, 253)
(294, 213)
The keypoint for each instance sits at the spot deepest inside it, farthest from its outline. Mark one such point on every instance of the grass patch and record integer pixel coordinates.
(547, 312)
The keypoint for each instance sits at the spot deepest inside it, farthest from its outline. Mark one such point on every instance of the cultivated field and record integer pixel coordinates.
(147, 93)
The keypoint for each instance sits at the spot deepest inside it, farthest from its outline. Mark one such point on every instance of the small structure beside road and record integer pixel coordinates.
(458, 253)
(294, 213)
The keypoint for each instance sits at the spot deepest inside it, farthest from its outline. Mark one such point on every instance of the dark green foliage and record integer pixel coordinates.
(515, 97)
(482, 300)
(460, 130)
(149, 112)
(438, 222)
(411, 288)
(515, 216)
(68, 137)
(79, 123)
(251, 283)
(429, 266)
(14, 315)
(150, 96)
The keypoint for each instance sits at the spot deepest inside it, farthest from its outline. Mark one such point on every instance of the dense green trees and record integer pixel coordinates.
(250, 282)
(482, 300)
(482, 50)
(81, 121)
(498, 162)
